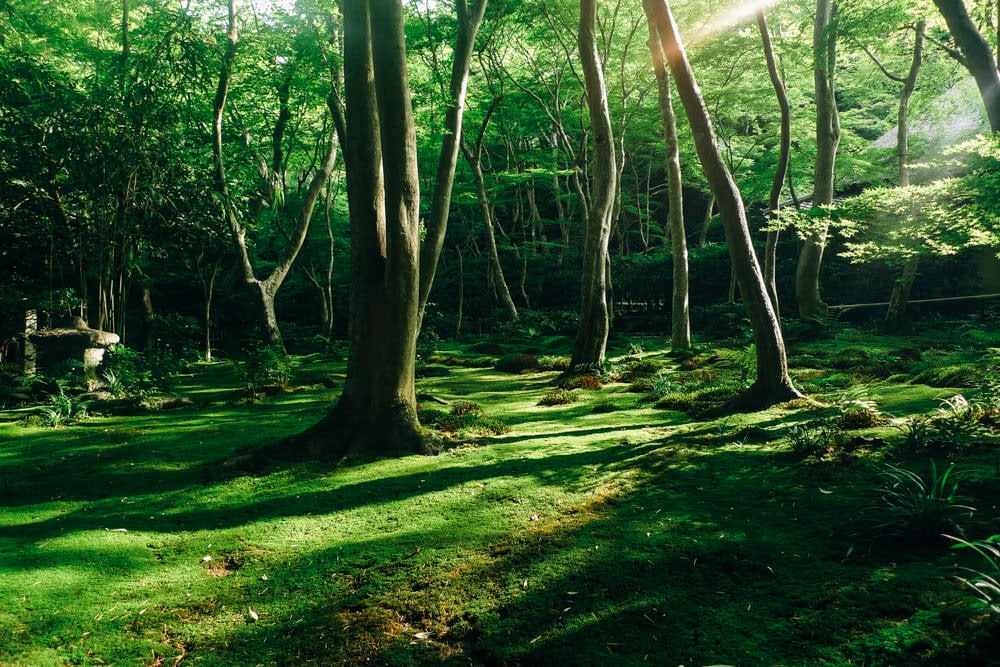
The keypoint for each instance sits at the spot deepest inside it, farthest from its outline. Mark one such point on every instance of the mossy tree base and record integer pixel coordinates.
(347, 431)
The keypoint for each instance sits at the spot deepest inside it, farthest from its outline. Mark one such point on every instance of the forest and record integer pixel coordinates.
(499, 332)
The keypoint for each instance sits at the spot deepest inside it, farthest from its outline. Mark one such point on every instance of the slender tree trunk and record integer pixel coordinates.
(376, 413)
(773, 383)
(896, 312)
(781, 169)
(707, 221)
(264, 289)
(592, 333)
(978, 58)
(461, 292)
(473, 157)
(468, 22)
(807, 291)
(680, 323)
(208, 291)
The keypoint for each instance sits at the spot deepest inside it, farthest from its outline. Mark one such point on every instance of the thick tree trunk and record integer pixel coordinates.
(592, 333)
(468, 22)
(376, 413)
(781, 169)
(773, 383)
(680, 323)
(978, 56)
(807, 292)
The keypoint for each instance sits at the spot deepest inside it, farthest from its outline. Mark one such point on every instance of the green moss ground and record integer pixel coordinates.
(636, 536)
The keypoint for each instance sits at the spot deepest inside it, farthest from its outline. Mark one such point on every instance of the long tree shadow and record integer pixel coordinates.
(728, 560)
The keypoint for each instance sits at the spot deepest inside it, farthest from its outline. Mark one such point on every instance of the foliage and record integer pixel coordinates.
(264, 365)
(814, 438)
(63, 409)
(557, 397)
(584, 381)
(131, 373)
(986, 585)
(464, 416)
(922, 507)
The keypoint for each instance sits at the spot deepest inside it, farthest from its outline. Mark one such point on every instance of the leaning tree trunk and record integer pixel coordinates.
(773, 383)
(781, 169)
(978, 58)
(592, 333)
(807, 292)
(468, 22)
(680, 322)
(376, 412)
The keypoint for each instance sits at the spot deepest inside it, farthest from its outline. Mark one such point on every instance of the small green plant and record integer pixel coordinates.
(63, 409)
(264, 365)
(918, 434)
(922, 507)
(553, 363)
(557, 397)
(814, 438)
(986, 585)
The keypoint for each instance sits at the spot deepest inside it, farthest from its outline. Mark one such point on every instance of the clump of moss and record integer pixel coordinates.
(517, 363)
(432, 371)
(861, 417)
(636, 369)
(676, 401)
(487, 347)
(605, 407)
(467, 362)
(463, 408)
(585, 381)
(553, 363)
(557, 397)
(463, 416)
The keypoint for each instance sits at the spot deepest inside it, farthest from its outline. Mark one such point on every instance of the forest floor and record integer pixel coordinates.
(607, 531)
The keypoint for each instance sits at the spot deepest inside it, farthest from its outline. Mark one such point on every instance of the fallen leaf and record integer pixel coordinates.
(422, 635)
(534, 517)
(825, 492)
(253, 615)
(205, 559)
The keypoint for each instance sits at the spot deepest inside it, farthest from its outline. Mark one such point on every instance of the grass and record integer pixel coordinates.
(636, 536)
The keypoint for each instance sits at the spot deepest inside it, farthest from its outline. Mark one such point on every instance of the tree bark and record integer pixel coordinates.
(592, 333)
(376, 412)
(978, 57)
(264, 289)
(781, 168)
(807, 292)
(896, 312)
(773, 383)
(680, 322)
(468, 22)
(474, 157)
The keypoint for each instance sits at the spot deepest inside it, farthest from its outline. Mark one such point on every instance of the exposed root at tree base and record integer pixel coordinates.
(760, 398)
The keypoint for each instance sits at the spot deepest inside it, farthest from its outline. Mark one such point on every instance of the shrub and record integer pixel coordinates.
(264, 365)
(487, 347)
(585, 381)
(517, 363)
(462, 408)
(137, 374)
(553, 363)
(557, 397)
(922, 507)
(63, 409)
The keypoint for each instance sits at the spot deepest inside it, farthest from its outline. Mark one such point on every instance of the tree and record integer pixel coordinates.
(901, 290)
(592, 333)
(265, 289)
(773, 383)
(784, 155)
(680, 322)
(807, 291)
(976, 55)
(468, 19)
(376, 412)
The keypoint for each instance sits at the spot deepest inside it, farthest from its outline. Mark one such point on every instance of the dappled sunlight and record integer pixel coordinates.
(739, 12)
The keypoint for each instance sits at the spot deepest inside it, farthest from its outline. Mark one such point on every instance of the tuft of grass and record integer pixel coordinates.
(922, 507)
